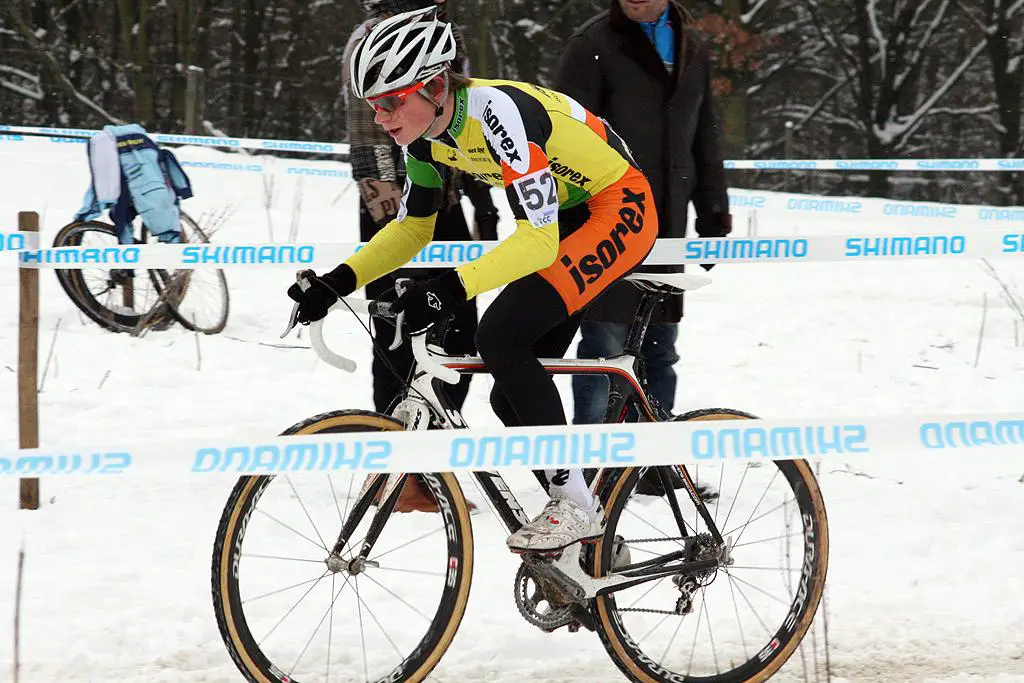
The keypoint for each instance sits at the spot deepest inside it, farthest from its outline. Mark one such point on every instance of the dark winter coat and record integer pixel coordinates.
(667, 119)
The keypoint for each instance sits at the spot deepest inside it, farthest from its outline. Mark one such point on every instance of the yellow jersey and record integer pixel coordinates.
(542, 147)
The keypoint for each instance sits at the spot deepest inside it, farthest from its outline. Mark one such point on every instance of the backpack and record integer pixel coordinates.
(132, 176)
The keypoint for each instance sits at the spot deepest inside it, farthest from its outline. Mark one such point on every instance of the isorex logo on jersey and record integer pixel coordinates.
(592, 266)
(507, 144)
(568, 173)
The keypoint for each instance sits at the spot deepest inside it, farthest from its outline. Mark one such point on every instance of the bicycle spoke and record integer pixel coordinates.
(765, 540)
(293, 607)
(398, 597)
(286, 559)
(329, 611)
(760, 590)
(409, 571)
(362, 634)
(759, 501)
(760, 516)
(655, 628)
(693, 645)
(408, 543)
(656, 529)
(711, 635)
(647, 592)
(757, 615)
(735, 496)
(739, 623)
(381, 627)
(282, 590)
(302, 505)
(294, 531)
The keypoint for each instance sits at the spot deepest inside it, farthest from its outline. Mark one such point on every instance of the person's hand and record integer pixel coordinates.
(426, 303)
(322, 293)
(713, 225)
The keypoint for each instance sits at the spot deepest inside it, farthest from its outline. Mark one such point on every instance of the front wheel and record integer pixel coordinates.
(293, 604)
(741, 619)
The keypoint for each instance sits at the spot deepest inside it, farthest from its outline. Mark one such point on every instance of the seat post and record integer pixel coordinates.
(638, 329)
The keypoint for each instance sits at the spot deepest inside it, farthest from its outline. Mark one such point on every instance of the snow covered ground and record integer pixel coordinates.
(926, 580)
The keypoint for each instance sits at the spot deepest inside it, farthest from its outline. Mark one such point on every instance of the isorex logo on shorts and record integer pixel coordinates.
(609, 250)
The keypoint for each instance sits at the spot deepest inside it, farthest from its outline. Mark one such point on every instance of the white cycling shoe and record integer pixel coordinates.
(562, 523)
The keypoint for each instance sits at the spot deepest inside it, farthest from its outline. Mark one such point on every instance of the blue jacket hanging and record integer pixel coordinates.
(132, 176)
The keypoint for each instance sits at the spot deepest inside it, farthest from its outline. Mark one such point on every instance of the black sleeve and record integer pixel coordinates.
(578, 73)
(710, 195)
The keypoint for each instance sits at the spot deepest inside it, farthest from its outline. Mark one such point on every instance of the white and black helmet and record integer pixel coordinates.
(401, 51)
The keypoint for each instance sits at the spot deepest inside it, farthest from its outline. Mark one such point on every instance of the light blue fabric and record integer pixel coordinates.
(152, 185)
(662, 36)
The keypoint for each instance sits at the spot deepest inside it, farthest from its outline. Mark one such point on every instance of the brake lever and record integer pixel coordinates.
(400, 318)
(293, 319)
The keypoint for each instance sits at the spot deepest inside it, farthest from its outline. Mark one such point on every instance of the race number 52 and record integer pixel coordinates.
(538, 195)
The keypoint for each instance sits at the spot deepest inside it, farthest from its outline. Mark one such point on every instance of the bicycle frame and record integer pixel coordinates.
(427, 406)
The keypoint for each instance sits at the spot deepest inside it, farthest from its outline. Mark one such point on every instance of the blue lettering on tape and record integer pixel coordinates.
(919, 210)
(267, 253)
(972, 434)
(895, 247)
(321, 172)
(786, 165)
(824, 205)
(75, 463)
(542, 451)
(196, 140)
(1011, 164)
(68, 132)
(224, 166)
(1013, 243)
(12, 242)
(867, 165)
(71, 255)
(292, 146)
(11, 137)
(778, 442)
(991, 214)
(448, 252)
(71, 141)
(745, 201)
(370, 454)
(767, 249)
(949, 164)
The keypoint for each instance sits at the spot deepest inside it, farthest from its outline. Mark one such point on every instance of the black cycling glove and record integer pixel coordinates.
(323, 292)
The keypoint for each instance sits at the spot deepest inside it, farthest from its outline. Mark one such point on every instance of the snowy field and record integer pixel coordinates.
(926, 579)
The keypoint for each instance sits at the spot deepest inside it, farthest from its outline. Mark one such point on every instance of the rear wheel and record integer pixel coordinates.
(288, 612)
(198, 299)
(116, 299)
(740, 621)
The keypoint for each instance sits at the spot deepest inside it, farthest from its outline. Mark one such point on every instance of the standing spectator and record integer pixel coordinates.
(640, 66)
(378, 168)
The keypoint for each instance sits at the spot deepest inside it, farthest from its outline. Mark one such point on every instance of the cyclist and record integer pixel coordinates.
(584, 218)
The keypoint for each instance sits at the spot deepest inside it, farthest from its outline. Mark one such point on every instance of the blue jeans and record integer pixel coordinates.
(602, 340)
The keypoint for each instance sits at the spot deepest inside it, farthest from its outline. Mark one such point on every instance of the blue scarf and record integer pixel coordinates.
(661, 34)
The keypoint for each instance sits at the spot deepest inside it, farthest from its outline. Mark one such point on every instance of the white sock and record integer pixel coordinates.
(572, 485)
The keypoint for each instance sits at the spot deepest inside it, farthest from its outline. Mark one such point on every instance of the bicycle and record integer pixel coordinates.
(673, 555)
(120, 301)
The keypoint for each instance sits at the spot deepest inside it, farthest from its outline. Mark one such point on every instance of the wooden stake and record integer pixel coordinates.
(28, 363)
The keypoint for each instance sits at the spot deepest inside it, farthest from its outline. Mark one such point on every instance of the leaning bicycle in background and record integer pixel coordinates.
(133, 178)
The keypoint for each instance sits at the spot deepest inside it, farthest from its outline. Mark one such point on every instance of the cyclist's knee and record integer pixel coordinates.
(502, 408)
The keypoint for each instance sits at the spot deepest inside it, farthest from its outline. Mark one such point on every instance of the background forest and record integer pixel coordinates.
(795, 78)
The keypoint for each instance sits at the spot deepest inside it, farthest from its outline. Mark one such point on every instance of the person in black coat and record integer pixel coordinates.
(641, 67)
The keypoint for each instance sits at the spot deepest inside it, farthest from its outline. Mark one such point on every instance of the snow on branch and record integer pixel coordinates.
(895, 132)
